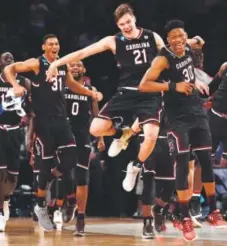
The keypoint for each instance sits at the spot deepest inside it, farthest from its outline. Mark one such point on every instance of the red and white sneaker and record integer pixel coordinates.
(188, 230)
(215, 218)
(177, 224)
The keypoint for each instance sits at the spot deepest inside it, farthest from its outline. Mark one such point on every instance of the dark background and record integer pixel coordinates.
(79, 23)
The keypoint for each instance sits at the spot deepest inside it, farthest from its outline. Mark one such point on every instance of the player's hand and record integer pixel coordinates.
(184, 87)
(202, 87)
(51, 72)
(19, 91)
(96, 95)
(101, 144)
(201, 42)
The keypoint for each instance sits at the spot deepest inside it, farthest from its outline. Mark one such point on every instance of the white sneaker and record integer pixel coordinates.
(116, 147)
(2, 223)
(196, 223)
(6, 210)
(120, 144)
(130, 178)
(58, 217)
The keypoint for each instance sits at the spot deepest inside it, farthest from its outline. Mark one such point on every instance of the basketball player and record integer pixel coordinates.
(134, 49)
(10, 138)
(187, 119)
(51, 126)
(80, 108)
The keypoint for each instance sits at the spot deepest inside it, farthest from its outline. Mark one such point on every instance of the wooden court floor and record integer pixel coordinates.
(100, 232)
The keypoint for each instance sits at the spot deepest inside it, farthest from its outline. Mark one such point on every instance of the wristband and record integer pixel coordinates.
(172, 86)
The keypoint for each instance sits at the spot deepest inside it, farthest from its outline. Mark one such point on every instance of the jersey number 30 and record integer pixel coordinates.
(140, 56)
(188, 74)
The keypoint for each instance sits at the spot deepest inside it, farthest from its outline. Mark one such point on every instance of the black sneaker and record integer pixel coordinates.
(195, 207)
(148, 232)
(80, 224)
(68, 212)
(159, 222)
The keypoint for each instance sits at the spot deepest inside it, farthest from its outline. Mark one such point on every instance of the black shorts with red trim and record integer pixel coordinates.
(83, 142)
(10, 143)
(146, 106)
(218, 126)
(160, 162)
(52, 137)
(185, 138)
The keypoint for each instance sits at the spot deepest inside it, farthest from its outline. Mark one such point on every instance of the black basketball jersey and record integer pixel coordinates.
(134, 57)
(219, 102)
(48, 98)
(79, 109)
(179, 106)
(9, 117)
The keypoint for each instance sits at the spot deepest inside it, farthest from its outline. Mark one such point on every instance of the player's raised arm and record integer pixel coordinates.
(196, 42)
(106, 43)
(159, 41)
(11, 70)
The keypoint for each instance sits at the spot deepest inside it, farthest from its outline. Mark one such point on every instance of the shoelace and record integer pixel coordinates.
(187, 226)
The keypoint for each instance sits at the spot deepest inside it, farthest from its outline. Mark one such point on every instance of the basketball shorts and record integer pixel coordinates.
(218, 126)
(53, 137)
(145, 106)
(10, 143)
(160, 162)
(184, 138)
(83, 142)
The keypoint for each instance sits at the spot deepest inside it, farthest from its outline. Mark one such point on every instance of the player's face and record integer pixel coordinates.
(51, 48)
(127, 24)
(177, 38)
(6, 59)
(77, 69)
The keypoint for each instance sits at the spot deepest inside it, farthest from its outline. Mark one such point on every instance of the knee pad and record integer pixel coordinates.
(205, 160)
(83, 155)
(82, 176)
(148, 186)
(182, 170)
(68, 159)
(57, 189)
(164, 189)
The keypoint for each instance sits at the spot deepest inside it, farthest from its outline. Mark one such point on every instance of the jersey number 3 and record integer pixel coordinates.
(140, 56)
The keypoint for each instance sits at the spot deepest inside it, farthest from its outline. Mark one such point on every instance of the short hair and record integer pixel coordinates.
(172, 24)
(122, 10)
(47, 36)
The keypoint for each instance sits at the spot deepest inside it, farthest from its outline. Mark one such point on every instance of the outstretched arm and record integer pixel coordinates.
(106, 43)
(196, 42)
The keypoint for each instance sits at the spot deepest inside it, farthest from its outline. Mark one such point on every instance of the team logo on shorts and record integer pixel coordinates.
(171, 145)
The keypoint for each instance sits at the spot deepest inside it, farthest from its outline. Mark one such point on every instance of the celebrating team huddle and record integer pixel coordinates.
(160, 91)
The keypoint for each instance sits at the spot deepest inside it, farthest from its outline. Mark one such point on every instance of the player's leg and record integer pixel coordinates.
(179, 140)
(103, 124)
(148, 186)
(201, 144)
(84, 149)
(45, 150)
(165, 182)
(151, 131)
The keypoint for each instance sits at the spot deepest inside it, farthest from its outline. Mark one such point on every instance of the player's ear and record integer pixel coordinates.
(43, 47)
(168, 40)
(84, 70)
(186, 35)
